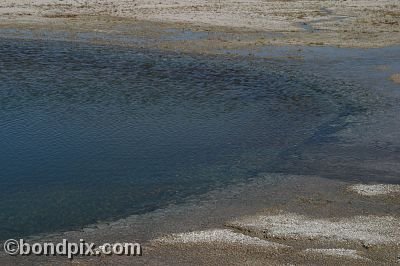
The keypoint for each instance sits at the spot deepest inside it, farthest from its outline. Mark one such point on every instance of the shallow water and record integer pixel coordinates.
(92, 133)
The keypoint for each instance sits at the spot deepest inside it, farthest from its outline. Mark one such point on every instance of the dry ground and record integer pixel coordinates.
(355, 23)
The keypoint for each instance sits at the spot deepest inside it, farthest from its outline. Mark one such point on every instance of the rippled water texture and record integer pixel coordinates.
(91, 133)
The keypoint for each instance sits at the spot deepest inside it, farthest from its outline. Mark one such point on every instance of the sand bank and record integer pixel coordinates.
(355, 23)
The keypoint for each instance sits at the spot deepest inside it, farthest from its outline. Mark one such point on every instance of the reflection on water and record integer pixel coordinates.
(89, 133)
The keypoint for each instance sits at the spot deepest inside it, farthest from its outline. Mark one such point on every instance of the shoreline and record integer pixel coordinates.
(210, 26)
(355, 23)
(166, 235)
(195, 37)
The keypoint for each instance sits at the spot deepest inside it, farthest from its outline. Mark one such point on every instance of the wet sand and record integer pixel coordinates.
(331, 204)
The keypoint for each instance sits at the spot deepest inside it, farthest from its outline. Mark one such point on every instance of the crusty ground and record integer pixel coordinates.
(352, 23)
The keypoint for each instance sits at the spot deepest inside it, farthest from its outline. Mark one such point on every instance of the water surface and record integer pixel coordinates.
(91, 133)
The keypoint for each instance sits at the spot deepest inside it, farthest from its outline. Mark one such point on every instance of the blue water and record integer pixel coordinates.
(91, 133)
